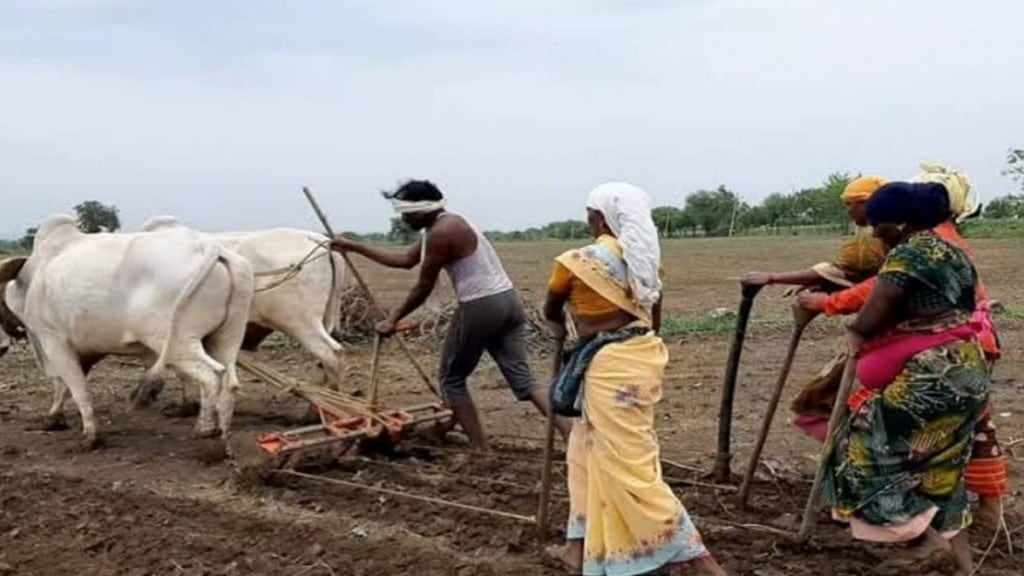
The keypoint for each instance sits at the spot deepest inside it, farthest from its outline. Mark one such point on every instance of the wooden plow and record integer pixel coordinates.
(345, 420)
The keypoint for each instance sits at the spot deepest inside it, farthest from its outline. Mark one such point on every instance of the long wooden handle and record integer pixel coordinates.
(722, 472)
(800, 321)
(543, 506)
(369, 295)
(838, 412)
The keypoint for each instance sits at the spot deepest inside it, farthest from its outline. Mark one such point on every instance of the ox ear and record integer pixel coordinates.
(10, 267)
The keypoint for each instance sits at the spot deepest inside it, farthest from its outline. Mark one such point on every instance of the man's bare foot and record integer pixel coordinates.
(990, 512)
(565, 558)
(705, 566)
(928, 552)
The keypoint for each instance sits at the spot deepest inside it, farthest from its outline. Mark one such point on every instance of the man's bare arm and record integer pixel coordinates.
(439, 249)
(392, 259)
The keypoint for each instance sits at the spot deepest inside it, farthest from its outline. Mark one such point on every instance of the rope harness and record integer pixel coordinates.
(293, 270)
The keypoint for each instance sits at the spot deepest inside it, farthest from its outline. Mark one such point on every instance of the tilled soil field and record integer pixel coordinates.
(155, 500)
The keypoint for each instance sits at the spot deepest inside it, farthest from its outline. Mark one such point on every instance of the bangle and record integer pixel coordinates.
(771, 279)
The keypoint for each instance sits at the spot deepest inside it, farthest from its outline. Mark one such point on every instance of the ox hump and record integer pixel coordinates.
(160, 223)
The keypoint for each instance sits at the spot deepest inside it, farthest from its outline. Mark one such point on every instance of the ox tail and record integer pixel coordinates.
(332, 316)
(231, 332)
(211, 256)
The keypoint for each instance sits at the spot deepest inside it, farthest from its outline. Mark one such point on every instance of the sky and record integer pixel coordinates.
(219, 112)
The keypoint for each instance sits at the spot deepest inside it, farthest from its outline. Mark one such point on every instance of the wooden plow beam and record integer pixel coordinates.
(344, 420)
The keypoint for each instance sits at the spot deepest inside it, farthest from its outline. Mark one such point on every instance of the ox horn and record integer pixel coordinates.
(9, 268)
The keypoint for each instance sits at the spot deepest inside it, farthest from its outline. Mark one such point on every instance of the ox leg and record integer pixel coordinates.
(209, 386)
(55, 416)
(148, 388)
(224, 349)
(315, 338)
(68, 368)
(206, 371)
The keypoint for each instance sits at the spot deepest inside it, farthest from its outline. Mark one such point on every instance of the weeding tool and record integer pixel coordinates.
(838, 412)
(801, 318)
(722, 472)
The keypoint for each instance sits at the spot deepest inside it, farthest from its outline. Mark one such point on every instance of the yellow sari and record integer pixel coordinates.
(628, 518)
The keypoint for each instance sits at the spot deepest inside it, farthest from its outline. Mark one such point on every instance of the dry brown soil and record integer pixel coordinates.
(153, 500)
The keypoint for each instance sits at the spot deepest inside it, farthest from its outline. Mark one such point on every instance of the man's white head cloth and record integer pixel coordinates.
(416, 197)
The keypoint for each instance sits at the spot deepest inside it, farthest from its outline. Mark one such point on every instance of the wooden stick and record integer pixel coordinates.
(549, 448)
(680, 466)
(369, 295)
(722, 471)
(698, 484)
(428, 499)
(838, 412)
(801, 318)
(375, 370)
(491, 455)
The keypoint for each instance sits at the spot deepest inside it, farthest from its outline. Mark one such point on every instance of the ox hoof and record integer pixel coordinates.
(146, 393)
(90, 442)
(204, 434)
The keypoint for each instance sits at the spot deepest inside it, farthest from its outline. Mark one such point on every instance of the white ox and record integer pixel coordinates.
(299, 282)
(169, 297)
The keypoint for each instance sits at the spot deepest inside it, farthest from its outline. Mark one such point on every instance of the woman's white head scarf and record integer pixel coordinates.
(627, 211)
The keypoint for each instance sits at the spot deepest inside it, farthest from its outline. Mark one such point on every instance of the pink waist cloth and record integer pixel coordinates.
(883, 359)
(982, 317)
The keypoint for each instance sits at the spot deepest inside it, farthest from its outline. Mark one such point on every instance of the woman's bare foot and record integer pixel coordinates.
(927, 552)
(704, 566)
(990, 512)
(569, 556)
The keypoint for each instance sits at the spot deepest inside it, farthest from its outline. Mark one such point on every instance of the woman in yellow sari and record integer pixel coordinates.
(624, 519)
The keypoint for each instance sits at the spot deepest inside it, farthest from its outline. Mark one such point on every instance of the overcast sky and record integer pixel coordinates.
(218, 112)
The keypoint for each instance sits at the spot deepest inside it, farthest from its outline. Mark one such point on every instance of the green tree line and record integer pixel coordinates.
(707, 213)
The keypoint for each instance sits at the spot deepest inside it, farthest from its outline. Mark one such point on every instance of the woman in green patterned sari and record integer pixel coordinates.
(897, 469)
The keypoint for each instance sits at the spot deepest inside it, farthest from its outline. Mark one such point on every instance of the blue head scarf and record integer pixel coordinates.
(922, 205)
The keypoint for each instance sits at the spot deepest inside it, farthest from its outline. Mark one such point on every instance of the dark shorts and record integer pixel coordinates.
(496, 324)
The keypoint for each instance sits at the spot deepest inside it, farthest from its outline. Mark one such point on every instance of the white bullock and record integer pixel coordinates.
(169, 297)
(298, 291)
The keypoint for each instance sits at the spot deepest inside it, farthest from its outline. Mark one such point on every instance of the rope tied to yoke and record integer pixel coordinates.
(291, 271)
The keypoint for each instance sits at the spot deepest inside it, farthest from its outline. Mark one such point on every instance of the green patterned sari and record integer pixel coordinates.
(900, 455)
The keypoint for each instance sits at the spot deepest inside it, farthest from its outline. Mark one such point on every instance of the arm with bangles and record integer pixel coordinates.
(806, 277)
(842, 303)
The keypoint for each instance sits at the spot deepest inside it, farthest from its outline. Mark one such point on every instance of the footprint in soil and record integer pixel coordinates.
(48, 424)
(187, 409)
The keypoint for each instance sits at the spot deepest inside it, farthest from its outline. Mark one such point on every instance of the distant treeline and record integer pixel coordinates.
(704, 213)
(722, 212)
